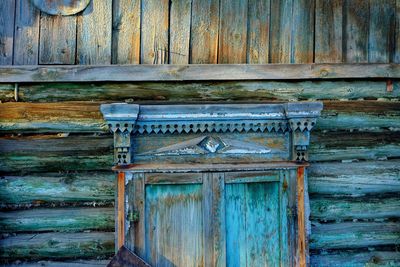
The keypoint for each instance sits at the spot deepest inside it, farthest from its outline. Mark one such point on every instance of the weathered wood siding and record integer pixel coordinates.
(56, 187)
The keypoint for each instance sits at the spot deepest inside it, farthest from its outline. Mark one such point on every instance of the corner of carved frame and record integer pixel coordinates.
(121, 119)
(302, 117)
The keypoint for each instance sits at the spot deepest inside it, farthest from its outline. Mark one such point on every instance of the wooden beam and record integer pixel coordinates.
(120, 225)
(238, 72)
(301, 239)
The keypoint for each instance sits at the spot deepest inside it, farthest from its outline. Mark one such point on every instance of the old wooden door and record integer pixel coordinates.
(210, 218)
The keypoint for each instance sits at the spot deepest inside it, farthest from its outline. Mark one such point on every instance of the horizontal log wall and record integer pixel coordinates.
(55, 152)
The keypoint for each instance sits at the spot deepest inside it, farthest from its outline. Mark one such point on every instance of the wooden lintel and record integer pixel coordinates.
(195, 72)
(121, 209)
(301, 239)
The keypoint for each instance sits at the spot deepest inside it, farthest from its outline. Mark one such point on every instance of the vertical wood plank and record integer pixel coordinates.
(280, 31)
(204, 32)
(26, 35)
(7, 12)
(214, 232)
(302, 50)
(381, 31)
(179, 31)
(396, 55)
(94, 33)
(57, 39)
(301, 217)
(258, 32)
(232, 32)
(328, 31)
(126, 32)
(120, 209)
(283, 215)
(356, 35)
(155, 26)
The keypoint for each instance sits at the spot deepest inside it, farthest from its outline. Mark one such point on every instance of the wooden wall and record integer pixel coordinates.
(56, 187)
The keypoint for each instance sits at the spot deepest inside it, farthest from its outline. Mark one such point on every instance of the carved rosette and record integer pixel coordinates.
(127, 120)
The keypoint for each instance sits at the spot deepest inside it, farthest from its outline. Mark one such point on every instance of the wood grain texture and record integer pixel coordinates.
(232, 32)
(63, 220)
(396, 55)
(237, 72)
(204, 32)
(301, 219)
(328, 31)
(356, 258)
(126, 32)
(57, 39)
(179, 31)
(55, 189)
(372, 208)
(26, 34)
(61, 7)
(354, 235)
(302, 46)
(280, 32)
(154, 34)
(258, 31)
(201, 91)
(7, 13)
(355, 178)
(94, 33)
(65, 263)
(357, 19)
(381, 31)
(57, 246)
(120, 210)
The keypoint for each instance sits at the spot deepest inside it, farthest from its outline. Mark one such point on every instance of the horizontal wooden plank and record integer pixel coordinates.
(58, 246)
(327, 209)
(86, 116)
(356, 259)
(74, 263)
(91, 188)
(203, 91)
(354, 235)
(354, 178)
(62, 220)
(91, 153)
(194, 72)
(176, 178)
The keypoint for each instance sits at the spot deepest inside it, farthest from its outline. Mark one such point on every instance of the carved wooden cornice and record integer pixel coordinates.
(127, 120)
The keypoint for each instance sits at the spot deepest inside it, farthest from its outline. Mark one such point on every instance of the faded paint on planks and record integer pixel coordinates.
(54, 189)
(204, 32)
(26, 34)
(120, 211)
(7, 13)
(196, 72)
(301, 219)
(94, 33)
(232, 31)
(328, 31)
(154, 34)
(58, 246)
(357, 17)
(280, 29)
(57, 39)
(347, 235)
(201, 91)
(381, 31)
(179, 31)
(258, 31)
(126, 32)
(57, 219)
(356, 258)
(61, 7)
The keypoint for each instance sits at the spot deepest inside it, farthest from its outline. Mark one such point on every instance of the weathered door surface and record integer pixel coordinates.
(202, 219)
(212, 185)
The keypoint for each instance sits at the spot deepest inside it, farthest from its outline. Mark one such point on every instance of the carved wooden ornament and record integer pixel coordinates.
(207, 184)
(61, 7)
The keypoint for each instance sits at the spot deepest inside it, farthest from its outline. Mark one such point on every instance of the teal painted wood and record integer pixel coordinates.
(381, 31)
(253, 223)
(7, 13)
(284, 214)
(258, 31)
(356, 31)
(280, 33)
(174, 230)
(396, 55)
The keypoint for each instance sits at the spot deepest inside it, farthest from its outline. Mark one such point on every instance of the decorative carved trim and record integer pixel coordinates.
(125, 120)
